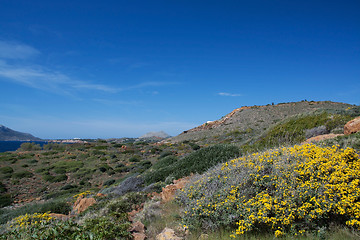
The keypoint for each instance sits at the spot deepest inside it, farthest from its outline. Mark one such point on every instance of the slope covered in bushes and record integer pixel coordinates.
(196, 162)
(290, 190)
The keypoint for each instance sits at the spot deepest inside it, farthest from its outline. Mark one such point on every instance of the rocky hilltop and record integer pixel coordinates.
(159, 135)
(7, 134)
(246, 123)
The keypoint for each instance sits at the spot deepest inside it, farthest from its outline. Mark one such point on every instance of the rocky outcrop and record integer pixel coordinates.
(352, 126)
(167, 234)
(214, 124)
(322, 137)
(139, 236)
(82, 204)
(138, 231)
(168, 192)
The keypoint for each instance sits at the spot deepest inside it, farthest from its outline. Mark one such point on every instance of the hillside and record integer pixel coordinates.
(7, 134)
(106, 189)
(246, 124)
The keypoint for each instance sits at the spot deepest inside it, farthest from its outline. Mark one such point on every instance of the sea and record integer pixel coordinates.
(14, 145)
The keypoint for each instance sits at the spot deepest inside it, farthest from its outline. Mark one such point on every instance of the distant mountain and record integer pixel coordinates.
(160, 134)
(7, 134)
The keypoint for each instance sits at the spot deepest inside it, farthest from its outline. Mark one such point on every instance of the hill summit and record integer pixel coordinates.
(247, 124)
(160, 134)
(7, 134)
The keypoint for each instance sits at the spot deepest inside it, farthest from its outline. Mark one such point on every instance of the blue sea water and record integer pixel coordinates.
(14, 145)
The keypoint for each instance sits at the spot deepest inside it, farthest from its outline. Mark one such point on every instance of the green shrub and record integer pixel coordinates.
(33, 161)
(134, 159)
(203, 159)
(113, 225)
(165, 162)
(85, 183)
(53, 146)
(3, 188)
(6, 170)
(59, 178)
(83, 172)
(5, 200)
(293, 130)
(54, 206)
(142, 166)
(98, 152)
(120, 165)
(68, 166)
(29, 146)
(26, 156)
(109, 182)
(165, 154)
(49, 152)
(104, 168)
(107, 227)
(23, 174)
(68, 186)
(123, 169)
(97, 228)
(47, 177)
(194, 146)
(101, 147)
(59, 170)
(129, 150)
(196, 162)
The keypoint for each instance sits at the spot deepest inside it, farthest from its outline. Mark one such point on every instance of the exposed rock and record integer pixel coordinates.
(82, 204)
(352, 126)
(138, 236)
(216, 123)
(322, 137)
(168, 192)
(137, 227)
(131, 184)
(316, 131)
(167, 234)
(100, 195)
(132, 214)
(154, 195)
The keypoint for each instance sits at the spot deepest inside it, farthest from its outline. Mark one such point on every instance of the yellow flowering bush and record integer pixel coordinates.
(27, 220)
(81, 195)
(288, 190)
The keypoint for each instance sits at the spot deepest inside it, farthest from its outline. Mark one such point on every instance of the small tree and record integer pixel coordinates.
(29, 146)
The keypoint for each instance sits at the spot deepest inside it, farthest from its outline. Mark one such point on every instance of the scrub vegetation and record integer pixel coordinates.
(248, 180)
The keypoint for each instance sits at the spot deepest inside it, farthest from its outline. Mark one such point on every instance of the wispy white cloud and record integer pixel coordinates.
(40, 78)
(225, 94)
(15, 69)
(12, 50)
(37, 76)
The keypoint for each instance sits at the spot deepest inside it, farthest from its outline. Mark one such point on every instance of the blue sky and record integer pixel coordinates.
(101, 69)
